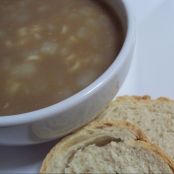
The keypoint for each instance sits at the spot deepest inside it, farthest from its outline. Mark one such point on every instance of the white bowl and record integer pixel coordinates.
(62, 118)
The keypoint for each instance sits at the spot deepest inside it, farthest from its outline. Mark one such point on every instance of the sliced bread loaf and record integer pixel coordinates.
(155, 117)
(107, 147)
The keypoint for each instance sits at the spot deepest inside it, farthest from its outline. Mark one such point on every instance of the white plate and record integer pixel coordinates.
(151, 73)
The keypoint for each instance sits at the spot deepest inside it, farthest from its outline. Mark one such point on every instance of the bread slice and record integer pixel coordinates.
(107, 146)
(155, 117)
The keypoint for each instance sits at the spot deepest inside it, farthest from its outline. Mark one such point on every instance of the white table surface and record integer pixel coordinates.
(152, 73)
(152, 70)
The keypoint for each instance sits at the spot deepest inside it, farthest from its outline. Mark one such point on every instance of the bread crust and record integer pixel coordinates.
(102, 124)
(84, 133)
(168, 160)
(155, 116)
(144, 98)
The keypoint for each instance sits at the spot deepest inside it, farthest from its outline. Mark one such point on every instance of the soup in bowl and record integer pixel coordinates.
(61, 63)
(50, 50)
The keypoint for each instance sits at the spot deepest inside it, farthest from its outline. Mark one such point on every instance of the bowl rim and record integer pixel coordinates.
(60, 107)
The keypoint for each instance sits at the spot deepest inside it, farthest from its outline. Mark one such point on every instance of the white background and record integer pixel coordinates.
(152, 70)
(151, 73)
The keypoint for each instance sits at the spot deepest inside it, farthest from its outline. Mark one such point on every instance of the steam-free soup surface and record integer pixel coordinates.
(51, 49)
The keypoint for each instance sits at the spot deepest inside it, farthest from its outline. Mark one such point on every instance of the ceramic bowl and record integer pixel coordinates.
(60, 119)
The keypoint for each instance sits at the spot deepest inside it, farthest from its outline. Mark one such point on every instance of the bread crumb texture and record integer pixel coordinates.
(155, 117)
(116, 158)
(107, 146)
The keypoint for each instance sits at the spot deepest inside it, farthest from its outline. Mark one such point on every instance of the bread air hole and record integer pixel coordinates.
(99, 141)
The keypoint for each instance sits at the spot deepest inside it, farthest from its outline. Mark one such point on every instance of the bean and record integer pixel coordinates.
(84, 80)
(64, 29)
(49, 48)
(22, 32)
(33, 57)
(82, 33)
(24, 70)
(13, 88)
(8, 43)
(75, 66)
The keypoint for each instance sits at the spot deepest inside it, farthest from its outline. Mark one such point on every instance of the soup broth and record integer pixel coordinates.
(51, 49)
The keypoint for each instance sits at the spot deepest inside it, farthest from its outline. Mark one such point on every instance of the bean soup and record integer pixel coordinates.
(51, 49)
